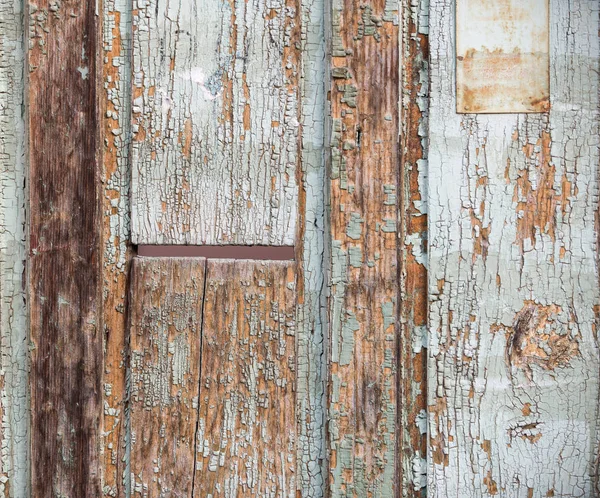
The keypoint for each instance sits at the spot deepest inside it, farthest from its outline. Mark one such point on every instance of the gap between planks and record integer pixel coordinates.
(261, 253)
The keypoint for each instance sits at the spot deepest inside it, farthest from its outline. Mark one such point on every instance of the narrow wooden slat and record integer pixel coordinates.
(247, 425)
(166, 297)
(64, 270)
(513, 347)
(216, 122)
(116, 236)
(412, 427)
(364, 234)
(311, 257)
(14, 357)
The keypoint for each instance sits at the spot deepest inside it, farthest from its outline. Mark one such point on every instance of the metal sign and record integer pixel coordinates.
(502, 56)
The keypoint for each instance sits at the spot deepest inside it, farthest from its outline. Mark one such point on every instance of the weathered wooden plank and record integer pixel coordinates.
(166, 321)
(364, 271)
(216, 122)
(64, 228)
(513, 355)
(14, 347)
(116, 236)
(412, 429)
(246, 443)
(312, 258)
(502, 58)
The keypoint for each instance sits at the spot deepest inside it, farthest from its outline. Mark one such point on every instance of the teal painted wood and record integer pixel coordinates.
(216, 122)
(513, 285)
(14, 345)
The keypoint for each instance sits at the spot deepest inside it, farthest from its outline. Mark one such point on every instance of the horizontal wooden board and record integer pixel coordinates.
(247, 423)
(502, 56)
(166, 297)
(216, 122)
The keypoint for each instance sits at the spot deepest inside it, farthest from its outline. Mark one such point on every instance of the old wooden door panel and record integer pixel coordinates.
(513, 199)
(247, 440)
(166, 319)
(216, 122)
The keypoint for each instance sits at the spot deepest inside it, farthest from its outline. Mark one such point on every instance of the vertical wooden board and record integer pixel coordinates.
(246, 442)
(116, 236)
(513, 352)
(364, 270)
(412, 427)
(64, 262)
(216, 121)
(14, 347)
(502, 56)
(312, 256)
(166, 322)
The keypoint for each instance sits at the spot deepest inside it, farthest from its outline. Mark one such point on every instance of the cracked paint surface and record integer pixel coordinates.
(363, 229)
(414, 106)
(213, 378)
(14, 345)
(513, 356)
(116, 236)
(215, 122)
(246, 439)
(166, 322)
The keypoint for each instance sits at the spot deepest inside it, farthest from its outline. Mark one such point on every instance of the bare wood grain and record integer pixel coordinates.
(412, 416)
(216, 122)
(116, 237)
(364, 248)
(64, 271)
(247, 425)
(166, 297)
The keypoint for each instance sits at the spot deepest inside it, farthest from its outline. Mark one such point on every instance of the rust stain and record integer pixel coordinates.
(505, 70)
(496, 82)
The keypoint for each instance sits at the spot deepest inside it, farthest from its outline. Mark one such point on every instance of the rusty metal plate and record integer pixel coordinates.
(502, 56)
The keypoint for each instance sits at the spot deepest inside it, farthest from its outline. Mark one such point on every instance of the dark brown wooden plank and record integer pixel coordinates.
(247, 423)
(64, 181)
(166, 319)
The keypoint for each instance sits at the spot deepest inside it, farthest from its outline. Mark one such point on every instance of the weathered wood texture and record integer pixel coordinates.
(364, 271)
(14, 347)
(216, 121)
(64, 262)
(513, 351)
(166, 296)
(116, 252)
(502, 58)
(411, 430)
(312, 258)
(246, 442)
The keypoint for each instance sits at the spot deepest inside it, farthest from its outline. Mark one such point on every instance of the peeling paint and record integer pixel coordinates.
(513, 364)
(14, 345)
